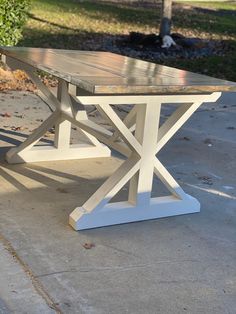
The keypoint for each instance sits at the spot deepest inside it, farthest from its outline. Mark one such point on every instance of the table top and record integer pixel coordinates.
(108, 73)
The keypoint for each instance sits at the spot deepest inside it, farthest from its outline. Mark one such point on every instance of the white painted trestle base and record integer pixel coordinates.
(61, 149)
(121, 212)
(139, 137)
(142, 140)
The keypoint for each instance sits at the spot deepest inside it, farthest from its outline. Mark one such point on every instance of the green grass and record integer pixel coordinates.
(227, 5)
(74, 24)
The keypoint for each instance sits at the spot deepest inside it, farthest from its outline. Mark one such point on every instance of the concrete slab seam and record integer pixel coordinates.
(36, 283)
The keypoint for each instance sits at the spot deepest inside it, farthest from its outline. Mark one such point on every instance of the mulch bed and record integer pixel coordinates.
(149, 47)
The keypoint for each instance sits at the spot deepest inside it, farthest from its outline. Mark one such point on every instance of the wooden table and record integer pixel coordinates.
(106, 80)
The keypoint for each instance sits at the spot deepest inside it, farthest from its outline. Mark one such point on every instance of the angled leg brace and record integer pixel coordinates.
(61, 149)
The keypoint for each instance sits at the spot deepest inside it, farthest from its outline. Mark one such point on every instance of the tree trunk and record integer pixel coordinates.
(165, 26)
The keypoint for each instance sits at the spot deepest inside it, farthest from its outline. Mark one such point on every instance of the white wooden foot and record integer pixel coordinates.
(121, 212)
(50, 153)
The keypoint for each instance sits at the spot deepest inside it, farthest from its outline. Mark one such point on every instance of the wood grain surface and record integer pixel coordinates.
(108, 73)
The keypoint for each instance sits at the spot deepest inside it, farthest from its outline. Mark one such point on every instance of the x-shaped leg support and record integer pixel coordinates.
(142, 139)
(61, 149)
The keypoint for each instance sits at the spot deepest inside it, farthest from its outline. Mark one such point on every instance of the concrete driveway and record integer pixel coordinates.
(184, 264)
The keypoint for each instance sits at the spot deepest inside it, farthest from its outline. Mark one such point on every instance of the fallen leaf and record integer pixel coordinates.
(208, 141)
(206, 180)
(17, 128)
(88, 245)
(185, 138)
(6, 115)
(62, 190)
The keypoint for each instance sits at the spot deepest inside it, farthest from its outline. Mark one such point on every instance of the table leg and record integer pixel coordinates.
(140, 165)
(61, 149)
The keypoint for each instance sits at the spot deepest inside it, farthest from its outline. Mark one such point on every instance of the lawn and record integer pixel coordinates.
(85, 24)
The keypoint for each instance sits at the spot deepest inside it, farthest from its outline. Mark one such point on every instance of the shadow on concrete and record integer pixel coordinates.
(6, 136)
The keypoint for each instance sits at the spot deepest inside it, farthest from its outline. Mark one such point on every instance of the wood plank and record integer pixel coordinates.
(114, 63)
(108, 73)
(104, 85)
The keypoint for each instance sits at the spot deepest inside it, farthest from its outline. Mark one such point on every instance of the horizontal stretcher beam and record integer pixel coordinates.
(126, 99)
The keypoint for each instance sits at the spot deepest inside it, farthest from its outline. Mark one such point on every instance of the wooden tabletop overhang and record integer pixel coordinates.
(108, 73)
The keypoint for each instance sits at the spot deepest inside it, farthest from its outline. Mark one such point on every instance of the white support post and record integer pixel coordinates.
(62, 127)
(141, 184)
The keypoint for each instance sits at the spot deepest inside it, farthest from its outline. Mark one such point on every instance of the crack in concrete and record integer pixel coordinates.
(36, 284)
(112, 268)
